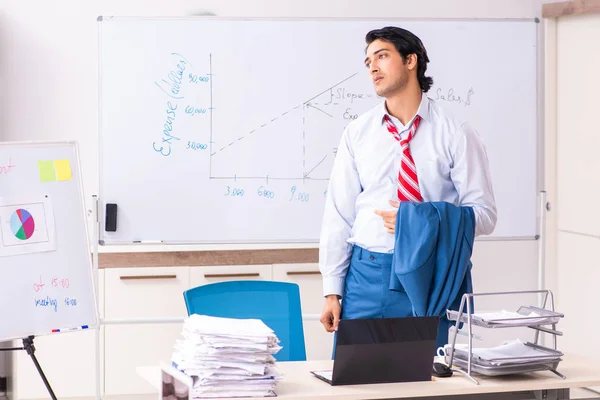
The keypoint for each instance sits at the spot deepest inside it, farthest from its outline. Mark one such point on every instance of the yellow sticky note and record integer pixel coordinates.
(63, 170)
(46, 169)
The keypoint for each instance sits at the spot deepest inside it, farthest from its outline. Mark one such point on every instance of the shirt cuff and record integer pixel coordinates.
(333, 286)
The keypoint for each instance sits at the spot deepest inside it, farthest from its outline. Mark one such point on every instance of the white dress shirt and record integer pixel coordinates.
(452, 166)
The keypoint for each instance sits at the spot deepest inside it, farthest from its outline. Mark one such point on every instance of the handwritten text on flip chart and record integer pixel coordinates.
(48, 293)
(6, 167)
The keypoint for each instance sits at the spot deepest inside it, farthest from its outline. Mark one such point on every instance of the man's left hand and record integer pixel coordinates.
(389, 216)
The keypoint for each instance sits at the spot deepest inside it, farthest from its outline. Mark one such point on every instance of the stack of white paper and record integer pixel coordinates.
(513, 352)
(228, 357)
(510, 318)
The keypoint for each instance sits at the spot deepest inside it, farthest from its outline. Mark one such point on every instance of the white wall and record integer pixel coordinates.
(49, 57)
(49, 86)
(578, 185)
(49, 54)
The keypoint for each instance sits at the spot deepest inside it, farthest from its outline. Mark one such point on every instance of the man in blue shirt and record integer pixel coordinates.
(408, 148)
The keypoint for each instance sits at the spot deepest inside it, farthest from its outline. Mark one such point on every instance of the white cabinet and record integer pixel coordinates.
(211, 274)
(140, 293)
(145, 292)
(318, 342)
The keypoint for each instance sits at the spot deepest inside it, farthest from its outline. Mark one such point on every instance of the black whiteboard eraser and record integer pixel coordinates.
(110, 222)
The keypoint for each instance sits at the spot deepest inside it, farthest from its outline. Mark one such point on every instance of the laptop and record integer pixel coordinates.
(383, 350)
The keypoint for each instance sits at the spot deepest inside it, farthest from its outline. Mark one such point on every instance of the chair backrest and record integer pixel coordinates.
(277, 304)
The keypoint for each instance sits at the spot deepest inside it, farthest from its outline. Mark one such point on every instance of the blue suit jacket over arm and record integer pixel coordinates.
(432, 256)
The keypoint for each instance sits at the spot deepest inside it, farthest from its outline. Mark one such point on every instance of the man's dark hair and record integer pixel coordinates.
(406, 43)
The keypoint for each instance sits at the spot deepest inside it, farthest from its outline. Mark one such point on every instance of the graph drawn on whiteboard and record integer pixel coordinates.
(26, 225)
(308, 128)
(309, 132)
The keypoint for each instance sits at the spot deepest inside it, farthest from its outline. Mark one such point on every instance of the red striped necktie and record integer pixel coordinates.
(408, 183)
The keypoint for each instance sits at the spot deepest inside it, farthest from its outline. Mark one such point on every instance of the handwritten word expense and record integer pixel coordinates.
(167, 129)
(348, 114)
(172, 87)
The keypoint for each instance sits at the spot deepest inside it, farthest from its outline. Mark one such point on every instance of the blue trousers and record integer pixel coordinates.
(367, 291)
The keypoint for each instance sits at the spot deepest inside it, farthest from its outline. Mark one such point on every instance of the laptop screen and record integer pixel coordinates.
(384, 350)
(387, 330)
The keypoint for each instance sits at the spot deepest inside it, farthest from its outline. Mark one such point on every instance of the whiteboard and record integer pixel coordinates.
(225, 130)
(46, 280)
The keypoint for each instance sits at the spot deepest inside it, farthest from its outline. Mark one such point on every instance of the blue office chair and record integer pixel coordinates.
(277, 304)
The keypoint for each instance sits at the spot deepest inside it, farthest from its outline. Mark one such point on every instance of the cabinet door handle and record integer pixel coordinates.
(290, 273)
(244, 275)
(142, 277)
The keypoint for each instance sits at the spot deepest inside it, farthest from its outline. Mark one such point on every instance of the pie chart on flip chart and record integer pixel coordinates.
(22, 224)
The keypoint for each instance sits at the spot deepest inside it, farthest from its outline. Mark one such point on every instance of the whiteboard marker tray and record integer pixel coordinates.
(524, 316)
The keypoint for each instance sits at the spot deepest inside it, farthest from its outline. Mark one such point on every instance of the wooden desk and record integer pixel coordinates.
(300, 384)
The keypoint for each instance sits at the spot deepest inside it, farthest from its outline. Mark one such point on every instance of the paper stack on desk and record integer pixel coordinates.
(510, 318)
(228, 357)
(513, 352)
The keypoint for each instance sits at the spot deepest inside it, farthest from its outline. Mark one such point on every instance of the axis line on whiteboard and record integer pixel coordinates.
(211, 113)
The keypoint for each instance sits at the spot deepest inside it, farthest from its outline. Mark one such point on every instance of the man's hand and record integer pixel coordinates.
(330, 317)
(389, 217)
